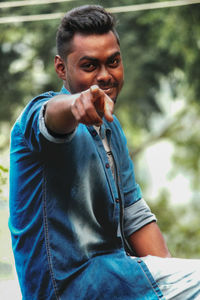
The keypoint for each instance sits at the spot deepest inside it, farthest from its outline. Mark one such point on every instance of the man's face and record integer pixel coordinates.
(95, 60)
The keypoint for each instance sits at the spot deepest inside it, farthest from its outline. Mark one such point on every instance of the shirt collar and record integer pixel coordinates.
(64, 91)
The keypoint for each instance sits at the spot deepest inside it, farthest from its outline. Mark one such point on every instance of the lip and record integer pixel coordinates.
(107, 90)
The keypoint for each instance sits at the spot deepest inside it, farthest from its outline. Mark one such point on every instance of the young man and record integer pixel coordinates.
(77, 217)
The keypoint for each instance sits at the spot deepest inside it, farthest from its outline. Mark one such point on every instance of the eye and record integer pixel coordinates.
(88, 67)
(114, 63)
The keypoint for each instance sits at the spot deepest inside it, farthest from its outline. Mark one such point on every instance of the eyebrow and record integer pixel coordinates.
(113, 55)
(95, 60)
(88, 58)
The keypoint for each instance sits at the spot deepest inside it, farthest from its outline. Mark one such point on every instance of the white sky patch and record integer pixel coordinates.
(157, 161)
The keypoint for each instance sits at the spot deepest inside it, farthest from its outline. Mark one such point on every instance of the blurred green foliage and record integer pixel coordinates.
(2, 170)
(3, 177)
(160, 49)
(179, 226)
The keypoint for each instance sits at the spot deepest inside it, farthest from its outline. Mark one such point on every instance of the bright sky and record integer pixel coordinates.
(158, 165)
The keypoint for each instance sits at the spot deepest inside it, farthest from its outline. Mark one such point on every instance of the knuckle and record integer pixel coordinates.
(89, 109)
(82, 116)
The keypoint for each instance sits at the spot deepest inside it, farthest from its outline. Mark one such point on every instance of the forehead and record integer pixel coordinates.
(94, 45)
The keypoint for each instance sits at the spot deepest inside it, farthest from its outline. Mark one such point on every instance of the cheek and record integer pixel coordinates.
(120, 78)
(118, 74)
(78, 80)
(121, 74)
(84, 80)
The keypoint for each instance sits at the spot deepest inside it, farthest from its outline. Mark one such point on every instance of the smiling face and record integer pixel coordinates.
(95, 59)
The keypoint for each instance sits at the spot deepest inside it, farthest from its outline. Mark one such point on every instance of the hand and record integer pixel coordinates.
(91, 105)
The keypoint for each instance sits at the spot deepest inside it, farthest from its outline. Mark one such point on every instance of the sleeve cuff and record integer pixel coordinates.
(44, 131)
(136, 216)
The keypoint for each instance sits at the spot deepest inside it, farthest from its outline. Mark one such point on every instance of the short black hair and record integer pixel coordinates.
(86, 19)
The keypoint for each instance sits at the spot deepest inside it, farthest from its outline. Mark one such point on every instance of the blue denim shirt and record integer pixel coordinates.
(65, 212)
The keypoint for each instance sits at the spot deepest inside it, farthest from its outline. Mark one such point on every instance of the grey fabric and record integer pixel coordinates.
(136, 216)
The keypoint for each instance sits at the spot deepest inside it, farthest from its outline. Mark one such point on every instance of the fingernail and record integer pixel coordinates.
(93, 87)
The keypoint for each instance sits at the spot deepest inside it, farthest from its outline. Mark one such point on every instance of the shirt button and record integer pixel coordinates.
(117, 200)
(139, 260)
(94, 133)
(107, 166)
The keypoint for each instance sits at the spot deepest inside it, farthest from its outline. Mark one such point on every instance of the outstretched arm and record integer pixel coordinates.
(65, 112)
(149, 241)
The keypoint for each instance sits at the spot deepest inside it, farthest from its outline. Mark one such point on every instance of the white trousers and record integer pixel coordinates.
(178, 279)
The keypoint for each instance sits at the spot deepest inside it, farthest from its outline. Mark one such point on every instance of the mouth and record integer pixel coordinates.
(108, 90)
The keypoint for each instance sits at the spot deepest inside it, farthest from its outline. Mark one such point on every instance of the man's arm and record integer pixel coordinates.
(65, 112)
(149, 240)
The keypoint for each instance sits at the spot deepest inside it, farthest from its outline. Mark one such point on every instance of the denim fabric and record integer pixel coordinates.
(65, 209)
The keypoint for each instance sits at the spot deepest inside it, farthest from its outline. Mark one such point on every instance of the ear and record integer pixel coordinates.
(60, 67)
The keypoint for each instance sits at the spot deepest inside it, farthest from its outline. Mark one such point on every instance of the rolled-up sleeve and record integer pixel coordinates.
(136, 216)
(59, 139)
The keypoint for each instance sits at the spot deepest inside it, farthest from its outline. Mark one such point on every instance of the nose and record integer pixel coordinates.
(103, 75)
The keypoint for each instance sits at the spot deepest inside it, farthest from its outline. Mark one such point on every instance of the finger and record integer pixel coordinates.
(98, 98)
(87, 109)
(80, 118)
(96, 92)
(108, 109)
(105, 104)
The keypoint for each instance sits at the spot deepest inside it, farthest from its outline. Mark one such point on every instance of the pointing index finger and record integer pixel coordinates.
(96, 92)
(104, 103)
